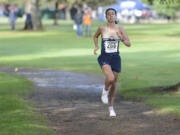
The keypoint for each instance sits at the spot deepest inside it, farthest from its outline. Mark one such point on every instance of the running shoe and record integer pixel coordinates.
(112, 112)
(104, 96)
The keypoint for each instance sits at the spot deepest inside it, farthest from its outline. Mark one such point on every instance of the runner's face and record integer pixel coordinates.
(111, 16)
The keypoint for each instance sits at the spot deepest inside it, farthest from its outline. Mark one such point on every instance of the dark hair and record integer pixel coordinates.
(116, 22)
(111, 9)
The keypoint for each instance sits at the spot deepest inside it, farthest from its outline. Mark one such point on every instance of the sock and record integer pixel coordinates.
(105, 91)
(111, 108)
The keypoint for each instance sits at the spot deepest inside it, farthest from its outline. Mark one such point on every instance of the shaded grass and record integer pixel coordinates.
(17, 117)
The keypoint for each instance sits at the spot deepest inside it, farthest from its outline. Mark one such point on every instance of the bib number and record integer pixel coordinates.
(111, 46)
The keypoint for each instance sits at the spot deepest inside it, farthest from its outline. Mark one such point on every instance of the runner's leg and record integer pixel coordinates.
(109, 76)
(113, 88)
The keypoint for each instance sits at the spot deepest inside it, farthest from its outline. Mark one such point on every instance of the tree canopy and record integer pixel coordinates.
(167, 7)
(91, 3)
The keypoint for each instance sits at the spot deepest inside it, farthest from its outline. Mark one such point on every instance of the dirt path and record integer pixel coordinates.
(71, 104)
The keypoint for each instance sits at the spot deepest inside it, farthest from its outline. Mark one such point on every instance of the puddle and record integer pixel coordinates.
(63, 80)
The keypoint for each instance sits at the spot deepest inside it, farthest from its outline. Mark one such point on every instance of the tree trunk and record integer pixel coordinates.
(28, 6)
(56, 13)
(36, 16)
(68, 16)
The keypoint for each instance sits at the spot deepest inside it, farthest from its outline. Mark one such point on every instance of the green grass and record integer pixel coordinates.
(154, 56)
(17, 117)
(164, 102)
(167, 103)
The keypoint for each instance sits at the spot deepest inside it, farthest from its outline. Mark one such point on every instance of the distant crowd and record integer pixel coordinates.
(82, 20)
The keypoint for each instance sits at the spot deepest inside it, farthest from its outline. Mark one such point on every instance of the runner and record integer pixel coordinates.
(109, 60)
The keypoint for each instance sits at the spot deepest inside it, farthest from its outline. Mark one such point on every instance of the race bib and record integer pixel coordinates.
(111, 46)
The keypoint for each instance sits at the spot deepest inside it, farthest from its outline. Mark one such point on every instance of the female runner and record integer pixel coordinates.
(110, 60)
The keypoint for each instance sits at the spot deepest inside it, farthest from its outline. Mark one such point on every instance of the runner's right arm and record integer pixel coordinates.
(96, 35)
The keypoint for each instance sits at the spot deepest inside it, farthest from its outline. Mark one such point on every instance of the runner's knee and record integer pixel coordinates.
(111, 79)
(113, 83)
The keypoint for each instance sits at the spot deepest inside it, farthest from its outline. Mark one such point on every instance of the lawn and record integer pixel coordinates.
(17, 117)
(153, 59)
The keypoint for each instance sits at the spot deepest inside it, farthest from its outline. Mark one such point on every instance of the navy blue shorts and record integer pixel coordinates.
(113, 60)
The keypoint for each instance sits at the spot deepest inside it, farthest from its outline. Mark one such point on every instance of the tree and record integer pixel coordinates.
(69, 3)
(36, 16)
(56, 13)
(167, 7)
(31, 7)
(33, 17)
(149, 2)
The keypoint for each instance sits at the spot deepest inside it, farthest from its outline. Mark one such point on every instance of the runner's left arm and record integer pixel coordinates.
(123, 37)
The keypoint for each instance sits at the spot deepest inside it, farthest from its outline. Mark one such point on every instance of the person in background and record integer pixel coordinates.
(28, 22)
(12, 18)
(78, 18)
(87, 23)
(73, 12)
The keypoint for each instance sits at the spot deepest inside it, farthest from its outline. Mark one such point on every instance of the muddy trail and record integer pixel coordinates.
(71, 104)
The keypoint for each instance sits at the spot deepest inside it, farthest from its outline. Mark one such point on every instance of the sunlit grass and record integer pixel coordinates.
(63, 53)
(166, 103)
(7, 35)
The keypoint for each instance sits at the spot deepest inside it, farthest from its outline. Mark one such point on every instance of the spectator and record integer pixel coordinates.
(87, 23)
(28, 23)
(73, 12)
(12, 18)
(78, 18)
